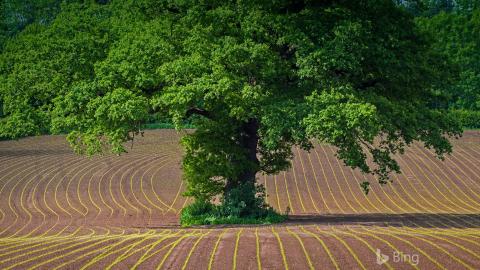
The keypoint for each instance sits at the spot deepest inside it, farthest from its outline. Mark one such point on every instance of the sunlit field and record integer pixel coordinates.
(64, 211)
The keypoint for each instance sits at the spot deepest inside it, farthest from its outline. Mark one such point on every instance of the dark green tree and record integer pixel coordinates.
(456, 36)
(256, 77)
(429, 8)
(15, 15)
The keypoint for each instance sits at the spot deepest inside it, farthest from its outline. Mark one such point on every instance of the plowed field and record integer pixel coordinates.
(59, 210)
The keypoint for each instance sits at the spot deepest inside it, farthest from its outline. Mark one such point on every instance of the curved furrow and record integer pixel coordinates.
(148, 248)
(133, 170)
(360, 207)
(432, 189)
(387, 245)
(159, 246)
(364, 242)
(421, 238)
(94, 184)
(106, 192)
(16, 172)
(327, 182)
(336, 244)
(214, 249)
(147, 202)
(281, 248)
(302, 245)
(50, 164)
(453, 177)
(459, 195)
(399, 207)
(458, 160)
(305, 185)
(156, 188)
(22, 244)
(58, 169)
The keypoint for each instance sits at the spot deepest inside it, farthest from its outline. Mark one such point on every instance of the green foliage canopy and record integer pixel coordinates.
(257, 77)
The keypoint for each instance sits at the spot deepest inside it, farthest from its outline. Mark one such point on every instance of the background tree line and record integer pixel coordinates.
(454, 25)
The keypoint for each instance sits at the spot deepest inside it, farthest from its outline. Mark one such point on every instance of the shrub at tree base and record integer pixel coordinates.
(237, 207)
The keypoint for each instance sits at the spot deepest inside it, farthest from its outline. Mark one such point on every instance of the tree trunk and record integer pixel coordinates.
(249, 141)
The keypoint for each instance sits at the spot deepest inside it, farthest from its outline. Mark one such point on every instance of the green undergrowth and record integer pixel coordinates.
(243, 205)
(205, 213)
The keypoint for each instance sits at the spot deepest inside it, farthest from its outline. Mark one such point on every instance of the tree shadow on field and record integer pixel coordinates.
(426, 220)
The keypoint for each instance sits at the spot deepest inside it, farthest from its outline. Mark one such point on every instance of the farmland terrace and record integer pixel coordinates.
(59, 210)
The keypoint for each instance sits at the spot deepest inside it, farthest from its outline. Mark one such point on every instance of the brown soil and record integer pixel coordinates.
(61, 210)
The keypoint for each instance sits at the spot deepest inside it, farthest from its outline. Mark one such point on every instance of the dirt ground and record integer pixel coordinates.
(59, 210)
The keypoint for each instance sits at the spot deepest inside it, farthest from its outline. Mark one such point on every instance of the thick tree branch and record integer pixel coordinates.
(198, 111)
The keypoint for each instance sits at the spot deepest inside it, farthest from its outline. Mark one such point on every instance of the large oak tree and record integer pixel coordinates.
(256, 77)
